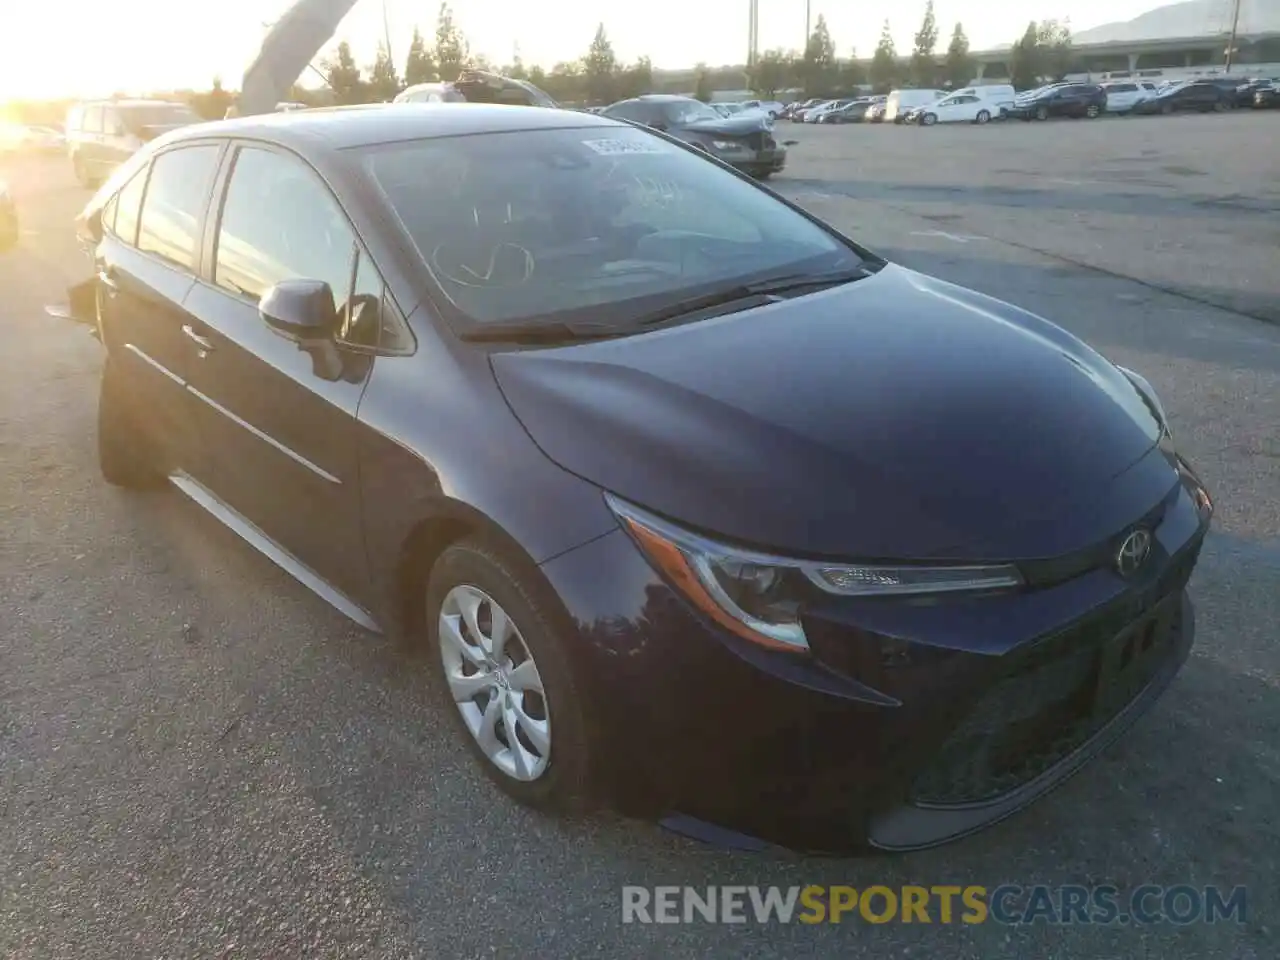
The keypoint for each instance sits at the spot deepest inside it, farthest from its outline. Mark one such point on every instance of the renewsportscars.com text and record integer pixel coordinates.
(1008, 904)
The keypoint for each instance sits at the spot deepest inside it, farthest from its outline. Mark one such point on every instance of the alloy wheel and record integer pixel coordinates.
(495, 683)
(1042, 114)
(983, 116)
(1091, 111)
(929, 120)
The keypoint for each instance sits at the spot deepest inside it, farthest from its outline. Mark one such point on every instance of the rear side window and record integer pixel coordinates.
(128, 204)
(175, 201)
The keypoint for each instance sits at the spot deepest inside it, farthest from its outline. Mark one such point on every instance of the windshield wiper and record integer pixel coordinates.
(749, 294)
(541, 331)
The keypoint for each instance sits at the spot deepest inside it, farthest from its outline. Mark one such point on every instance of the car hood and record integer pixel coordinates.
(737, 125)
(898, 416)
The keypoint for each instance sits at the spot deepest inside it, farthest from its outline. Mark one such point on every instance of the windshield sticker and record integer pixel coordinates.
(615, 148)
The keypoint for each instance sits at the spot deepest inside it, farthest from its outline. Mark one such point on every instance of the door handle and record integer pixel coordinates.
(107, 280)
(204, 343)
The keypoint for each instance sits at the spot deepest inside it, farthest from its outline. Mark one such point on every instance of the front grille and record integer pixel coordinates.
(1057, 696)
(760, 141)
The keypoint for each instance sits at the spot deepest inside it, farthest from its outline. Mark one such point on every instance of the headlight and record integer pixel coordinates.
(1149, 395)
(726, 144)
(759, 596)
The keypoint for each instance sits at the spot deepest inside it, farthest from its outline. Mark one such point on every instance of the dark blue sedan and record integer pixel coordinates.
(698, 506)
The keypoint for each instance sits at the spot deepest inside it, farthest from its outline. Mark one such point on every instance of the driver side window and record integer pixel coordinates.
(280, 222)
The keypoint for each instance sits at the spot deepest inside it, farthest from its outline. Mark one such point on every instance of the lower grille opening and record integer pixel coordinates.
(1061, 694)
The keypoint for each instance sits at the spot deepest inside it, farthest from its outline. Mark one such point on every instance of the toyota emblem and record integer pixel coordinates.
(1133, 552)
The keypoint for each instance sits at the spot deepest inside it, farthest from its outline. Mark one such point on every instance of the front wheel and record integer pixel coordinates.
(1092, 111)
(505, 668)
(983, 116)
(929, 119)
(1042, 113)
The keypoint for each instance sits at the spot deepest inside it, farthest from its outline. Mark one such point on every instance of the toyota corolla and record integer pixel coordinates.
(694, 502)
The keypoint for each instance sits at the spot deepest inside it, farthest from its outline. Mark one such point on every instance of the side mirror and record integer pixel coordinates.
(301, 311)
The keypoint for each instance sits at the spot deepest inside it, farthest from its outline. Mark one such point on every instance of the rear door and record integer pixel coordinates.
(146, 266)
(279, 423)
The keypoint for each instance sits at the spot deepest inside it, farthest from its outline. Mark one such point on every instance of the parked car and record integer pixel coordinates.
(792, 110)
(817, 114)
(853, 112)
(771, 107)
(478, 86)
(9, 232)
(1244, 93)
(802, 115)
(957, 108)
(744, 141)
(27, 138)
(1124, 95)
(1061, 100)
(1201, 96)
(546, 412)
(1268, 96)
(901, 102)
(102, 134)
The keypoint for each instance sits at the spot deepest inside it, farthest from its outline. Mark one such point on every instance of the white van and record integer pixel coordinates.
(902, 102)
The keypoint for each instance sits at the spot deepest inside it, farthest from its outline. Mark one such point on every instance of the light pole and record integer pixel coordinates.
(1231, 44)
(808, 13)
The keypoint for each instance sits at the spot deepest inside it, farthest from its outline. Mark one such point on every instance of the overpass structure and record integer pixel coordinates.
(1254, 54)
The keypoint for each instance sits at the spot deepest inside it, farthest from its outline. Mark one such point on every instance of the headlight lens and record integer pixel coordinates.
(726, 144)
(758, 596)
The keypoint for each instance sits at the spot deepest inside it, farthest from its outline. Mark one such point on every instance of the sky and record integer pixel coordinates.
(57, 48)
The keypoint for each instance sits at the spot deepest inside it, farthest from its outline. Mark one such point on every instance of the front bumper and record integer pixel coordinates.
(763, 161)
(909, 725)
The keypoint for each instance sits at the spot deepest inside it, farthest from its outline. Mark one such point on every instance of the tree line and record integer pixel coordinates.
(1043, 52)
(597, 77)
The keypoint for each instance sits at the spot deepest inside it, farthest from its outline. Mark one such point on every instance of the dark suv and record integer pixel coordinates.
(1060, 100)
(102, 134)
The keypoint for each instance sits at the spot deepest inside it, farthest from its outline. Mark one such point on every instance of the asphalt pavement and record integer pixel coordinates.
(198, 758)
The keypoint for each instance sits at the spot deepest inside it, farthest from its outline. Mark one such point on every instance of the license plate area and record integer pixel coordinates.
(1131, 658)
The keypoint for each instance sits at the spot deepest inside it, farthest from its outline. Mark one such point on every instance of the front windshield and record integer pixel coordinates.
(688, 111)
(596, 223)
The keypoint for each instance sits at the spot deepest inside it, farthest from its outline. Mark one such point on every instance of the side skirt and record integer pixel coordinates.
(273, 551)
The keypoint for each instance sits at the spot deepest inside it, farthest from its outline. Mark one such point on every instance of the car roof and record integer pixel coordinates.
(368, 124)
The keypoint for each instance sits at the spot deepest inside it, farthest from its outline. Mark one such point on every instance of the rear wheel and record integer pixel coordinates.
(505, 669)
(983, 116)
(1220, 106)
(124, 453)
(1092, 111)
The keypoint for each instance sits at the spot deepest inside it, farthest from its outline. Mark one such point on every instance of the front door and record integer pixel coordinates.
(280, 425)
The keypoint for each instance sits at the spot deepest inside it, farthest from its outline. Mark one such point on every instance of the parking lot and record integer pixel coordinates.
(200, 758)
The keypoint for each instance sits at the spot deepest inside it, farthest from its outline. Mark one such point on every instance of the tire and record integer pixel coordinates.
(1166, 109)
(125, 457)
(1220, 107)
(1042, 113)
(1091, 111)
(984, 116)
(563, 783)
(928, 120)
